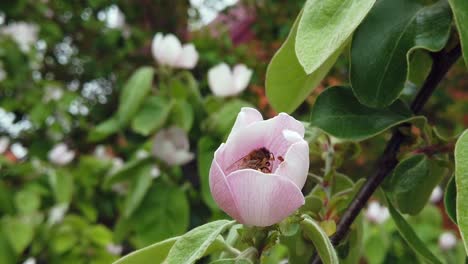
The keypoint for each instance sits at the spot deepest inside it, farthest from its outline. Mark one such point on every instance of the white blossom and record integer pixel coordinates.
(4, 143)
(377, 213)
(172, 146)
(61, 155)
(19, 151)
(114, 249)
(168, 51)
(57, 213)
(447, 240)
(436, 195)
(30, 260)
(24, 34)
(224, 82)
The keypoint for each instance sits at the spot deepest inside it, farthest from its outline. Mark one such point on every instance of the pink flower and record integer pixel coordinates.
(257, 175)
(168, 51)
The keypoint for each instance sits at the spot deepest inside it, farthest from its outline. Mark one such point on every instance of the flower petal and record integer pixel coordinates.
(242, 76)
(188, 58)
(220, 189)
(220, 80)
(266, 133)
(246, 116)
(170, 50)
(296, 163)
(156, 46)
(264, 199)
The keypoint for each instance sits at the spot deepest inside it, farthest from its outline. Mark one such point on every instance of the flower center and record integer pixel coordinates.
(259, 159)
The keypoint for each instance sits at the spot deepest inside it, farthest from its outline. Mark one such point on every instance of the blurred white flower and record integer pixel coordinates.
(19, 151)
(224, 82)
(120, 188)
(24, 34)
(172, 146)
(168, 51)
(377, 213)
(57, 213)
(447, 241)
(52, 94)
(155, 172)
(114, 17)
(436, 195)
(142, 154)
(114, 249)
(30, 260)
(4, 143)
(61, 155)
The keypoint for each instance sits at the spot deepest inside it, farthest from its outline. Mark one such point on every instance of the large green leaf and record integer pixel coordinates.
(287, 84)
(321, 241)
(18, 231)
(104, 129)
(152, 116)
(163, 213)
(460, 12)
(155, 253)
(413, 181)
(192, 245)
(383, 44)
(134, 93)
(339, 113)
(408, 234)
(232, 261)
(140, 186)
(461, 179)
(221, 121)
(324, 27)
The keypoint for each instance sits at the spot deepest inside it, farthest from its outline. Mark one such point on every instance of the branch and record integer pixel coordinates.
(442, 61)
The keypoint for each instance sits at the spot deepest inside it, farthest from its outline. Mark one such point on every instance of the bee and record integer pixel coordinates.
(258, 159)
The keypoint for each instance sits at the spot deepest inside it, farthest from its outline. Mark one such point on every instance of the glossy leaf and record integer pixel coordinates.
(460, 12)
(134, 93)
(192, 245)
(450, 200)
(408, 234)
(321, 241)
(413, 181)
(324, 27)
(285, 73)
(152, 116)
(461, 179)
(155, 253)
(383, 44)
(338, 113)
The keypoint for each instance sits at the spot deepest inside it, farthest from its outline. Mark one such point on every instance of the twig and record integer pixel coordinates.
(442, 61)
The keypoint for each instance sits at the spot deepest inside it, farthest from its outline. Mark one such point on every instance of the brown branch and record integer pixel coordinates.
(442, 61)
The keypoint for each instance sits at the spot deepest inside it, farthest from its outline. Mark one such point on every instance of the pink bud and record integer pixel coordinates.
(257, 175)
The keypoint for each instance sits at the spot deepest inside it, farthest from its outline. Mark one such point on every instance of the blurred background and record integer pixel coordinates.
(75, 187)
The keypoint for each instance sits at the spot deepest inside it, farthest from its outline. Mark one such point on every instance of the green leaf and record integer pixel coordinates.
(163, 213)
(155, 253)
(126, 172)
(61, 183)
(450, 199)
(383, 44)
(27, 201)
(408, 234)
(321, 241)
(19, 232)
(221, 121)
(99, 235)
(191, 246)
(104, 129)
(413, 181)
(205, 153)
(461, 179)
(324, 27)
(338, 113)
(7, 254)
(285, 73)
(182, 115)
(460, 12)
(232, 261)
(140, 186)
(134, 93)
(152, 116)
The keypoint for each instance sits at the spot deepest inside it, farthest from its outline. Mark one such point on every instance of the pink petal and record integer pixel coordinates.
(246, 116)
(242, 76)
(188, 57)
(264, 199)
(296, 163)
(220, 80)
(220, 189)
(266, 133)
